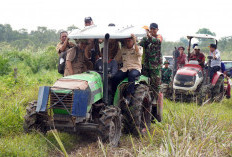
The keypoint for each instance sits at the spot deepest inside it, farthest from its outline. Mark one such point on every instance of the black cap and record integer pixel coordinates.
(153, 25)
(213, 46)
(111, 25)
(195, 45)
(88, 19)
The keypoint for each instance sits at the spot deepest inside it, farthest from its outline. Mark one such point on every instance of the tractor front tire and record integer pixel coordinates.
(137, 115)
(32, 120)
(110, 125)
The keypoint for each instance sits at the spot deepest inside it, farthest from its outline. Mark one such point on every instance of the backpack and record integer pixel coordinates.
(62, 61)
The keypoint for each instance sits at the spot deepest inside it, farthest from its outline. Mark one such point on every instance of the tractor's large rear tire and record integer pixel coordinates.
(218, 90)
(137, 114)
(32, 120)
(110, 125)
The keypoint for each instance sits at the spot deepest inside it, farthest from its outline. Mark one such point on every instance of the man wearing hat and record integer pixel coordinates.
(76, 62)
(88, 21)
(198, 56)
(166, 73)
(153, 61)
(216, 61)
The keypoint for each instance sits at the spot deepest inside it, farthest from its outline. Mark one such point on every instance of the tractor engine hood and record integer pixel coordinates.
(188, 78)
(190, 70)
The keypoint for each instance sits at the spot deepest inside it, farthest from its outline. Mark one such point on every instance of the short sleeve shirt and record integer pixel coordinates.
(78, 62)
(130, 58)
(60, 44)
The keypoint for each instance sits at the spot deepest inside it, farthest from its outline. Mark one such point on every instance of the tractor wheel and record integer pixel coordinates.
(201, 96)
(218, 90)
(110, 125)
(137, 115)
(32, 120)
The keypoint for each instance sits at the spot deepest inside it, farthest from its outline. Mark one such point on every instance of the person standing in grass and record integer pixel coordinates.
(166, 73)
(153, 62)
(64, 43)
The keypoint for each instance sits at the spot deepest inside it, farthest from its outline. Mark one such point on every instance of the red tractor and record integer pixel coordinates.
(192, 82)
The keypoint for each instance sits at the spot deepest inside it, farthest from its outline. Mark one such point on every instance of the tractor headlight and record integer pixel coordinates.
(176, 82)
(191, 83)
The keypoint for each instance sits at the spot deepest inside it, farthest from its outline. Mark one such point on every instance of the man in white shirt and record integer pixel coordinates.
(216, 61)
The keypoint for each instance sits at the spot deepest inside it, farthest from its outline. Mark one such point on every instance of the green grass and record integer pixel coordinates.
(187, 129)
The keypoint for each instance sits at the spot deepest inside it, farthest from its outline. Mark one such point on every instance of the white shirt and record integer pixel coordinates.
(217, 61)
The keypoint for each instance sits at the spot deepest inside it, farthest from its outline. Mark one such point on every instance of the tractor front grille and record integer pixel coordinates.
(61, 99)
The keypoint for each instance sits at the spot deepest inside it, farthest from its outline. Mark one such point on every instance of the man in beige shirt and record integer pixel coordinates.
(76, 62)
(64, 43)
(131, 57)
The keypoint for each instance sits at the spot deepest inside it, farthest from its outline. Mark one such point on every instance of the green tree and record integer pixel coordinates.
(205, 31)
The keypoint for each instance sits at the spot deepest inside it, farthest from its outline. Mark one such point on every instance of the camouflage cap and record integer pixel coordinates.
(166, 62)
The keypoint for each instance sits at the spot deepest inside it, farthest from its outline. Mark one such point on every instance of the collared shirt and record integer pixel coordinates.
(217, 61)
(181, 60)
(60, 44)
(198, 57)
(130, 58)
(78, 62)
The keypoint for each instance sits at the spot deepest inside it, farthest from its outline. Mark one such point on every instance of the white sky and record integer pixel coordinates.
(176, 18)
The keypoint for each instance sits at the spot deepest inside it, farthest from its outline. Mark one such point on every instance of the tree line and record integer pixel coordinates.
(43, 37)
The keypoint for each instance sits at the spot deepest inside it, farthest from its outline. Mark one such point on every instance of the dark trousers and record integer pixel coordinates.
(213, 70)
(120, 76)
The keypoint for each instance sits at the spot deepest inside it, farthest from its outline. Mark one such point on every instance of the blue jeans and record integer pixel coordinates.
(120, 76)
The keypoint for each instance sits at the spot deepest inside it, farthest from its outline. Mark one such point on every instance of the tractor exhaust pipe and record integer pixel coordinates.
(105, 69)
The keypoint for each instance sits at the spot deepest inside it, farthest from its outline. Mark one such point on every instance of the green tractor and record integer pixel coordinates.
(79, 103)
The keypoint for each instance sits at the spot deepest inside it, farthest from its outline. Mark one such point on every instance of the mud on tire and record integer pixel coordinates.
(137, 115)
(218, 90)
(110, 125)
(32, 120)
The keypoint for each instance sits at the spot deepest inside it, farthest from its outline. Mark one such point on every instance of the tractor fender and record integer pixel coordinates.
(216, 77)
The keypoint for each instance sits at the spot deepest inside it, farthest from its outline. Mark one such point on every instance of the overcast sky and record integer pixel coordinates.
(176, 18)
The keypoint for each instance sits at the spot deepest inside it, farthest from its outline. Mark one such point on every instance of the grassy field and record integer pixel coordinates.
(187, 129)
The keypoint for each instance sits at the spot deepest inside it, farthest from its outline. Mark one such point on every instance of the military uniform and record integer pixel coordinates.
(78, 61)
(153, 61)
(60, 44)
(166, 75)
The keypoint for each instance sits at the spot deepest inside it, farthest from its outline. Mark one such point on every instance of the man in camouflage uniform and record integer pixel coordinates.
(166, 73)
(153, 62)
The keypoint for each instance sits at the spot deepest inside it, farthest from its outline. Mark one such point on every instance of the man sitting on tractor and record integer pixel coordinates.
(216, 61)
(131, 56)
(166, 73)
(198, 56)
(76, 62)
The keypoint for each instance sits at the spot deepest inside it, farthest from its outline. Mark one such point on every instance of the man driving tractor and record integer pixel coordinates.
(198, 56)
(131, 57)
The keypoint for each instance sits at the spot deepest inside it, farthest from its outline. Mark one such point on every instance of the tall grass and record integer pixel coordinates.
(187, 129)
